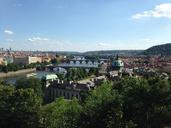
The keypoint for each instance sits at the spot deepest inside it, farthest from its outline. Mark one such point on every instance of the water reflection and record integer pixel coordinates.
(13, 79)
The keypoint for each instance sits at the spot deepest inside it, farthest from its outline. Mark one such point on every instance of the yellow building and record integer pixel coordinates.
(35, 59)
(46, 59)
(2, 62)
(25, 60)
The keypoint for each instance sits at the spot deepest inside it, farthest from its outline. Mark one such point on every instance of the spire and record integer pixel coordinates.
(117, 57)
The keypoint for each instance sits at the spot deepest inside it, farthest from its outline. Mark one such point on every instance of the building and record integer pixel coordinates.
(46, 59)
(49, 78)
(71, 89)
(2, 62)
(21, 60)
(67, 90)
(117, 64)
(34, 59)
(6, 60)
(25, 60)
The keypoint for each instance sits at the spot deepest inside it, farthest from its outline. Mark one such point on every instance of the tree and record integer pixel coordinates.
(127, 103)
(56, 61)
(18, 108)
(146, 102)
(93, 71)
(130, 102)
(102, 109)
(31, 82)
(26, 105)
(169, 79)
(60, 76)
(5, 69)
(5, 104)
(61, 114)
(12, 67)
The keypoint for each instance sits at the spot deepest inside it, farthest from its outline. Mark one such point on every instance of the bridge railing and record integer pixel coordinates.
(78, 65)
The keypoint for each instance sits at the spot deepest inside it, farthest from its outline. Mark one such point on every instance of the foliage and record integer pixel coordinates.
(18, 108)
(60, 76)
(93, 71)
(164, 49)
(56, 61)
(15, 67)
(31, 82)
(146, 102)
(76, 74)
(126, 103)
(130, 102)
(92, 57)
(103, 109)
(61, 114)
(9, 67)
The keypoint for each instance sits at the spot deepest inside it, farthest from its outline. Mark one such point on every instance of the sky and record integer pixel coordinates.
(84, 25)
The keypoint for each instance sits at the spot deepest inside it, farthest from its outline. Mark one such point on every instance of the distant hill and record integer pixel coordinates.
(164, 49)
(73, 53)
(115, 52)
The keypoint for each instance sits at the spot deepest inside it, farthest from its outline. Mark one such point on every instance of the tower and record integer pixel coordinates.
(117, 64)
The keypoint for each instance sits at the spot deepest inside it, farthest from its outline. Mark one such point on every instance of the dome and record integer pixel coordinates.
(117, 64)
(50, 77)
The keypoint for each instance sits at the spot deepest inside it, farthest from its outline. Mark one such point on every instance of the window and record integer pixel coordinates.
(56, 93)
(60, 93)
(72, 96)
(77, 96)
(67, 95)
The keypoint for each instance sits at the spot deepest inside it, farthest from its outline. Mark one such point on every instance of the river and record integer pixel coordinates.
(13, 79)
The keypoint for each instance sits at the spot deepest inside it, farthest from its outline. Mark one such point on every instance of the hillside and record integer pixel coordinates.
(115, 52)
(164, 49)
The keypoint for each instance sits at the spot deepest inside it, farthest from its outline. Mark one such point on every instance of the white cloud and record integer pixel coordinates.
(9, 40)
(37, 39)
(160, 11)
(102, 44)
(63, 45)
(8, 32)
(39, 43)
(44, 44)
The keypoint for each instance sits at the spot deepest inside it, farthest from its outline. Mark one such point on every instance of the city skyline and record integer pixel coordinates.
(84, 25)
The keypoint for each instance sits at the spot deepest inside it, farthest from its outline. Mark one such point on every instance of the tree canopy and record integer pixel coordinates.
(61, 114)
(18, 108)
(31, 82)
(126, 103)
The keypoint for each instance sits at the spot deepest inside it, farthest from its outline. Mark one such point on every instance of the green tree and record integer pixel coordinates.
(146, 102)
(5, 69)
(12, 67)
(56, 61)
(102, 109)
(61, 114)
(18, 108)
(31, 82)
(93, 71)
(60, 76)
(76, 74)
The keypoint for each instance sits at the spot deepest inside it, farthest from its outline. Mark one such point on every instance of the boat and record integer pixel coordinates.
(31, 75)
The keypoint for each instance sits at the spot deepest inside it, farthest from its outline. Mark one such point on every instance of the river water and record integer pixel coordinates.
(13, 79)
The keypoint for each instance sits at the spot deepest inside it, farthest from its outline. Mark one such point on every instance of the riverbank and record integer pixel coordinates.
(19, 72)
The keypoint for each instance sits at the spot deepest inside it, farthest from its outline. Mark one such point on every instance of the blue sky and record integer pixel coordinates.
(83, 25)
